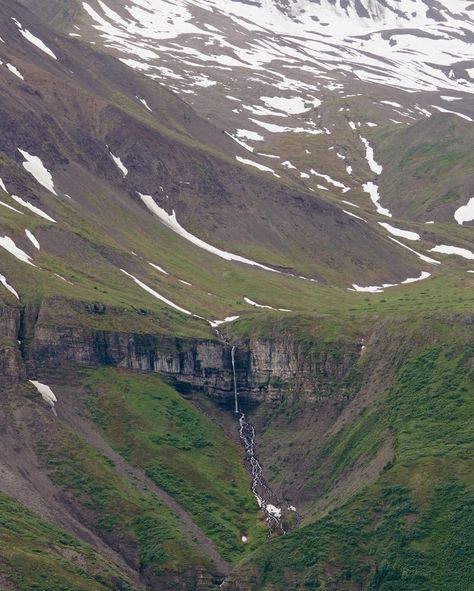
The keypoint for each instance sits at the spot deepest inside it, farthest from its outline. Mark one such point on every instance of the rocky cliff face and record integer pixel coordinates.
(11, 365)
(265, 369)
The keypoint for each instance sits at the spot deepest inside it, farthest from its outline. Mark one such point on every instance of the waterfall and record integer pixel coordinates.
(260, 488)
(236, 395)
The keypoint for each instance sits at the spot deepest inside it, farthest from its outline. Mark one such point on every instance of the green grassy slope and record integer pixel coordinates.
(36, 555)
(183, 451)
(412, 528)
(130, 520)
(429, 168)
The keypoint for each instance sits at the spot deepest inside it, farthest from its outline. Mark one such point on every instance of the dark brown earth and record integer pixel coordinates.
(67, 111)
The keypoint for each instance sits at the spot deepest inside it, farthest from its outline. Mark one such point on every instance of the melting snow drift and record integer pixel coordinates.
(447, 249)
(156, 294)
(46, 393)
(6, 285)
(13, 249)
(465, 213)
(171, 222)
(35, 167)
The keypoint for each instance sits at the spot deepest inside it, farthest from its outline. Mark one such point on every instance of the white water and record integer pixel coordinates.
(236, 395)
(259, 487)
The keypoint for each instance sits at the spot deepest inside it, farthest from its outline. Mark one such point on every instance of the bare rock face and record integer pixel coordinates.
(11, 363)
(311, 369)
(264, 369)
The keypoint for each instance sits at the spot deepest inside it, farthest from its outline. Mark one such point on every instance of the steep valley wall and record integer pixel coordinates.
(265, 369)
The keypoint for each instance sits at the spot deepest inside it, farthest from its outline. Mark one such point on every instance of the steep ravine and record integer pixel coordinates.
(263, 372)
(269, 371)
(260, 489)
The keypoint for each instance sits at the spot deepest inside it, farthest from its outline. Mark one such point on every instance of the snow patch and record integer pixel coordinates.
(381, 288)
(354, 215)
(13, 249)
(441, 110)
(465, 213)
(401, 233)
(256, 165)
(32, 239)
(373, 190)
(10, 207)
(15, 71)
(240, 142)
(156, 294)
(283, 129)
(6, 285)
(35, 167)
(368, 289)
(216, 323)
(330, 180)
(291, 106)
(391, 103)
(252, 303)
(120, 165)
(369, 156)
(448, 249)
(35, 40)
(249, 135)
(418, 254)
(424, 275)
(145, 104)
(33, 208)
(46, 393)
(171, 222)
(158, 268)
(350, 203)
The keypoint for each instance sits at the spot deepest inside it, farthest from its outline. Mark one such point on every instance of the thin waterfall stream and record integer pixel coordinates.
(260, 489)
(236, 394)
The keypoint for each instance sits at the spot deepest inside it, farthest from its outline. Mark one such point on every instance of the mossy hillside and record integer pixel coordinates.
(121, 513)
(217, 290)
(183, 451)
(348, 316)
(39, 556)
(412, 528)
(88, 247)
(218, 287)
(334, 314)
(431, 164)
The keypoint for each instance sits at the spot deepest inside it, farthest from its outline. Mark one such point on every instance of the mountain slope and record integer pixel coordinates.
(195, 189)
(410, 529)
(332, 71)
(254, 210)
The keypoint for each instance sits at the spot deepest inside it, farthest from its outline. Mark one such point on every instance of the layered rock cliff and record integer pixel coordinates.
(11, 365)
(265, 369)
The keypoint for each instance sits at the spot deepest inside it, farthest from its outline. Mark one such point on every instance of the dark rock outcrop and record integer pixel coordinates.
(265, 369)
(11, 365)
